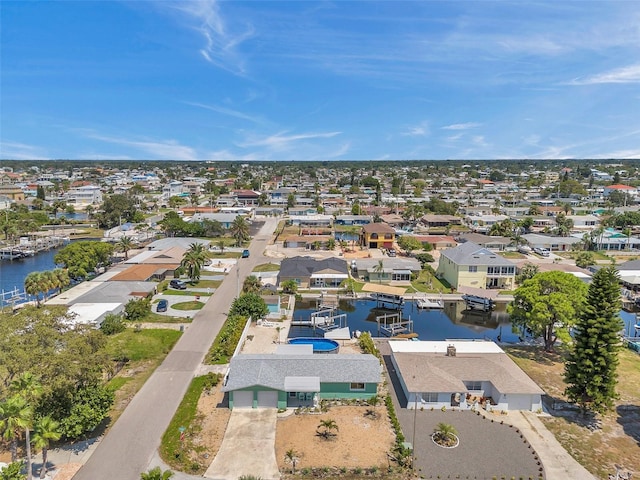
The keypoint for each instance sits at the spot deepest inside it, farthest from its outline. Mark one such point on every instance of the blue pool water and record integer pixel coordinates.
(320, 345)
(273, 308)
(449, 323)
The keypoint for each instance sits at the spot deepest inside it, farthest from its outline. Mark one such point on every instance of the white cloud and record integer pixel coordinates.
(281, 142)
(227, 111)
(420, 130)
(623, 154)
(628, 74)
(221, 43)
(462, 126)
(166, 149)
(21, 151)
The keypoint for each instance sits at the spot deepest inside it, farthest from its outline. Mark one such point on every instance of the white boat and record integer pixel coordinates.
(475, 302)
(429, 303)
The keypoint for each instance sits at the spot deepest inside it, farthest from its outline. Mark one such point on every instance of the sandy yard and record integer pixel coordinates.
(213, 415)
(361, 441)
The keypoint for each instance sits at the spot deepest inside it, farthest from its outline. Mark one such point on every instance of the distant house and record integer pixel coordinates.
(353, 219)
(443, 221)
(395, 269)
(470, 265)
(550, 242)
(378, 235)
(438, 242)
(464, 375)
(247, 197)
(294, 380)
(491, 242)
(632, 191)
(309, 272)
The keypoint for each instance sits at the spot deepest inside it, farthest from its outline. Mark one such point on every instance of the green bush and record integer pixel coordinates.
(112, 324)
(225, 343)
(136, 310)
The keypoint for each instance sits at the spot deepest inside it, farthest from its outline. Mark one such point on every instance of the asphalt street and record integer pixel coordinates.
(129, 446)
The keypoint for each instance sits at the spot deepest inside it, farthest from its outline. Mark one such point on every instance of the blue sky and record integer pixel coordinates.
(303, 80)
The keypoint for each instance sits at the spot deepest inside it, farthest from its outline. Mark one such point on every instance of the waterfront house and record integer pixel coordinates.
(470, 265)
(309, 272)
(378, 235)
(462, 374)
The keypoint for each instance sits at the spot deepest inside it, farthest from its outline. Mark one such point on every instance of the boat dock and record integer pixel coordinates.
(325, 319)
(392, 324)
(29, 248)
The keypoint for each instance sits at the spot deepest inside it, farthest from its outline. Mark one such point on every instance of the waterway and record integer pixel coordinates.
(13, 272)
(452, 322)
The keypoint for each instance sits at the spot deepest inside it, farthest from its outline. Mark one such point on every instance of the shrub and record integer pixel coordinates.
(112, 324)
(136, 310)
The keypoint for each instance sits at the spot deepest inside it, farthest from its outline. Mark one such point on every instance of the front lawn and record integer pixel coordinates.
(193, 305)
(267, 267)
(427, 282)
(616, 439)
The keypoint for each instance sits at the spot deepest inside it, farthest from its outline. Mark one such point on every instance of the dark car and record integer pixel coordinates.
(245, 254)
(162, 306)
(178, 284)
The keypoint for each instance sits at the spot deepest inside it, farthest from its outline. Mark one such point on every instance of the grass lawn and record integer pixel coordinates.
(267, 267)
(194, 305)
(207, 284)
(145, 350)
(153, 317)
(515, 255)
(427, 282)
(617, 441)
(225, 254)
(187, 293)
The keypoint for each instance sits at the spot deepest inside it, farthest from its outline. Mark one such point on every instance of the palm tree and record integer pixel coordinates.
(15, 416)
(292, 457)
(124, 245)
(251, 284)
(193, 260)
(45, 431)
(156, 474)
(240, 230)
(29, 388)
(327, 426)
(221, 245)
(445, 434)
(627, 232)
(33, 284)
(379, 269)
(62, 277)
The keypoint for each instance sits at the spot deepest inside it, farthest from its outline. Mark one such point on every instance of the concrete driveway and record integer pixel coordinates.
(248, 447)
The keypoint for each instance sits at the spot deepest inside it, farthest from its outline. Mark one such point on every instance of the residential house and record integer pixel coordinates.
(492, 242)
(309, 272)
(440, 221)
(353, 219)
(470, 265)
(84, 196)
(462, 375)
(631, 191)
(378, 235)
(294, 380)
(395, 269)
(552, 243)
(247, 197)
(438, 242)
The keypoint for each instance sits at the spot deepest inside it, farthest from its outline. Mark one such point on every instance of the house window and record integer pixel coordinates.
(508, 270)
(293, 394)
(374, 236)
(473, 268)
(473, 386)
(430, 397)
(356, 386)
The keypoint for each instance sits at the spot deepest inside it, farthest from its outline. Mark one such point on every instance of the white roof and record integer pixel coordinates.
(462, 346)
(302, 384)
(68, 296)
(92, 312)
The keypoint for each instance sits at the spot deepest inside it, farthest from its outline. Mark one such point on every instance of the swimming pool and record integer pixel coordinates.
(320, 345)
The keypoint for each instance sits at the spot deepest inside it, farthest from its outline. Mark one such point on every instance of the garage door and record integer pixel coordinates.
(242, 399)
(268, 399)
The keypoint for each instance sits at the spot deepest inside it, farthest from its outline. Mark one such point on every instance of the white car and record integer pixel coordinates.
(526, 249)
(541, 251)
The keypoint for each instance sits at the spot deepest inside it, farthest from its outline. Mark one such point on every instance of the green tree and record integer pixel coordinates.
(118, 209)
(13, 471)
(528, 270)
(445, 434)
(585, 259)
(124, 245)
(379, 269)
(424, 258)
(136, 309)
(82, 259)
(156, 474)
(193, 260)
(249, 305)
(547, 305)
(112, 324)
(33, 285)
(251, 284)
(409, 243)
(28, 387)
(289, 286)
(326, 427)
(84, 410)
(240, 230)
(591, 369)
(15, 417)
(45, 431)
(292, 457)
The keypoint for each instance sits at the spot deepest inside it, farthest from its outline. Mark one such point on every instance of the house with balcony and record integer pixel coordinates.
(85, 195)
(470, 265)
(309, 272)
(378, 235)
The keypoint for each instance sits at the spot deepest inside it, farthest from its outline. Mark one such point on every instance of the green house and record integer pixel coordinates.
(295, 380)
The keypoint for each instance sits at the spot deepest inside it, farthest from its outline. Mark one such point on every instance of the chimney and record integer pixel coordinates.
(451, 350)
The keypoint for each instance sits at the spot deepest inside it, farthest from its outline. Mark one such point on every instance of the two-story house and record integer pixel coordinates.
(470, 265)
(378, 235)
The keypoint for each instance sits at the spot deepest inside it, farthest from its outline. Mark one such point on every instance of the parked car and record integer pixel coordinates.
(526, 249)
(245, 254)
(162, 306)
(541, 251)
(178, 284)
(391, 252)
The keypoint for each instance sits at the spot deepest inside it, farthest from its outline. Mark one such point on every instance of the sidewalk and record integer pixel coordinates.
(558, 464)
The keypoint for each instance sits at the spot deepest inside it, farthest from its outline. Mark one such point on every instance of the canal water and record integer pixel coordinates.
(13, 272)
(452, 322)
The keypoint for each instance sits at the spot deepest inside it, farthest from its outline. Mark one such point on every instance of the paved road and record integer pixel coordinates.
(129, 447)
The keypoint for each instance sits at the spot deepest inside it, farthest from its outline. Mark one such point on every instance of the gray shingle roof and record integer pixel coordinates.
(302, 267)
(470, 253)
(270, 371)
